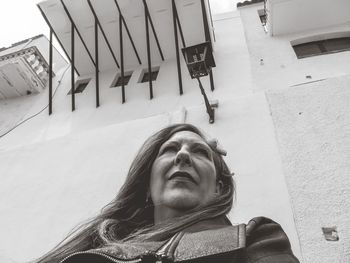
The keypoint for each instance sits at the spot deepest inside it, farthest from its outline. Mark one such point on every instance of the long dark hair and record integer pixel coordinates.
(129, 217)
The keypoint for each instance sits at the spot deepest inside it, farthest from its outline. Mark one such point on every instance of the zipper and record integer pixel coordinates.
(239, 257)
(104, 255)
(165, 254)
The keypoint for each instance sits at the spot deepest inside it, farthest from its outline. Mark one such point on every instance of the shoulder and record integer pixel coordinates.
(266, 242)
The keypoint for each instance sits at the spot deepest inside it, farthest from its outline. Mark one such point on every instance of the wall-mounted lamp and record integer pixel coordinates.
(200, 60)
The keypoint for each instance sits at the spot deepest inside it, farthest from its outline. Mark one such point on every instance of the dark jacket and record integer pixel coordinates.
(260, 241)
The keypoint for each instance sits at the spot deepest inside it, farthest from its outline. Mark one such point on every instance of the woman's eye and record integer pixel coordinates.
(201, 151)
(170, 149)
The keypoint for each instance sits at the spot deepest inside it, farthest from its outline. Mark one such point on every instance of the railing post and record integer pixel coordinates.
(72, 66)
(148, 54)
(177, 48)
(50, 74)
(97, 66)
(153, 30)
(128, 32)
(103, 33)
(207, 38)
(58, 40)
(121, 56)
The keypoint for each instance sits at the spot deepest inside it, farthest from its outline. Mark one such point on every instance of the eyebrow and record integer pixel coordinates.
(195, 144)
(170, 143)
(174, 143)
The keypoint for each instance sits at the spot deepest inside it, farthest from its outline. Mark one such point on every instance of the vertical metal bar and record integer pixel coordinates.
(129, 35)
(121, 56)
(210, 110)
(81, 38)
(103, 33)
(132, 41)
(212, 86)
(58, 40)
(207, 38)
(211, 20)
(177, 48)
(97, 67)
(72, 67)
(180, 27)
(205, 22)
(50, 74)
(153, 29)
(148, 55)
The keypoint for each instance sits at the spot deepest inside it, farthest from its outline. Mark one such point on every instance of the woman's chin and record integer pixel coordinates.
(181, 200)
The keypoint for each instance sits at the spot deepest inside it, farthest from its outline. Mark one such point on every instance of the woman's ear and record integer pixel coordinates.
(219, 187)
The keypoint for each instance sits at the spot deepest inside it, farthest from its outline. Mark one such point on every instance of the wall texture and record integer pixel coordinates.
(290, 16)
(274, 63)
(309, 102)
(312, 123)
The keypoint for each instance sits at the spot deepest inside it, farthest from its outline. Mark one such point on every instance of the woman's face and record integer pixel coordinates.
(183, 175)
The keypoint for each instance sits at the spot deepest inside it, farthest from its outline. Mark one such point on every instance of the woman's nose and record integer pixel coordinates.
(183, 157)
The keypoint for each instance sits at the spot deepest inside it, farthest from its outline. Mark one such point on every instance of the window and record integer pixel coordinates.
(320, 47)
(118, 80)
(80, 86)
(146, 75)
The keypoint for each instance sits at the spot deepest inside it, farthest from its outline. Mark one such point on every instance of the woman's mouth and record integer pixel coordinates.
(181, 175)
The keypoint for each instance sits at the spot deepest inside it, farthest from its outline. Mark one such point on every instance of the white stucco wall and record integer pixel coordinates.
(312, 123)
(12, 112)
(62, 169)
(294, 16)
(311, 120)
(281, 67)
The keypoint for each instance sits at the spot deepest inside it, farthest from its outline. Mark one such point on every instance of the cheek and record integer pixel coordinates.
(159, 168)
(208, 172)
(158, 173)
(211, 182)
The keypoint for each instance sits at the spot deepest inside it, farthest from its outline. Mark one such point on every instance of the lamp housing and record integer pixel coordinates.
(199, 59)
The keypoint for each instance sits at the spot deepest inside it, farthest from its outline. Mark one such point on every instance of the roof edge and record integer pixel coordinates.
(21, 42)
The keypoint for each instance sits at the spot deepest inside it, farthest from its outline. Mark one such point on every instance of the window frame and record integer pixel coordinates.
(127, 78)
(154, 74)
(79, 83)
(323, 46)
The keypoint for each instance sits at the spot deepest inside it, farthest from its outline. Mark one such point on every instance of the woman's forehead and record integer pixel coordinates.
(187, 137)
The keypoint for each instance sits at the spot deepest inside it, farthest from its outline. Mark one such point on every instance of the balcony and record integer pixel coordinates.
(22, 72)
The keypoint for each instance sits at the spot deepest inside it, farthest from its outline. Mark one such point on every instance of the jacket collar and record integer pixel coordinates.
(204, 238)
(210, 237)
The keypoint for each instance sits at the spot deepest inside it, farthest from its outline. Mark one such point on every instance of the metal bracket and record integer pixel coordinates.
(210, 109)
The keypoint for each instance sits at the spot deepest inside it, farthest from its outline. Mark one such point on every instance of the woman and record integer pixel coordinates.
(172, 207)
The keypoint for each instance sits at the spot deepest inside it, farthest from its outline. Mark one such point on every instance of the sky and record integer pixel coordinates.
(21, 19)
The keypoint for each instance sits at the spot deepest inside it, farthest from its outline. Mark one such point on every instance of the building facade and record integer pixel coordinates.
(281, 89)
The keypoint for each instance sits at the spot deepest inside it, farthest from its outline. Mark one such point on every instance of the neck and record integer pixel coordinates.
(162, 213)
